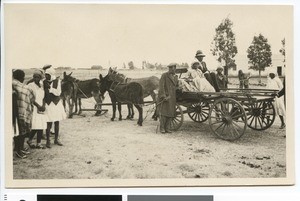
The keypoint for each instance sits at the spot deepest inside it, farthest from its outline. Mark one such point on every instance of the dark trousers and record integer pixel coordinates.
(165, 123)
(38, 137)
(212, 79)
(19, 143)
(56, 130)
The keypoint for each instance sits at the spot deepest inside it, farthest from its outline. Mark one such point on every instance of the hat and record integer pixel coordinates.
(195, 62)
(219, 68)
(172, 64)
(46, 66)
(199, 53)
(38, 72)
(50, 71)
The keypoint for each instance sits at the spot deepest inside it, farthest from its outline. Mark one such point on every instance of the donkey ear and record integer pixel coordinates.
(65, 74)
(100, 77)
(70, 74)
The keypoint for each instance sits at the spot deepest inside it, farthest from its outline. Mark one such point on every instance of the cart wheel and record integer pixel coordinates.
(260, 115)
(198, 112)
(227, 119)
(177, 121)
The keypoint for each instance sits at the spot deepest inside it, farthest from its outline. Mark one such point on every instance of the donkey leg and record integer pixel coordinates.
(132, 111)
(129, 111)
(114, 111)
(76, 106)
(98, 100)
(70, 107)
(140, 110)
(120, 111)
(79, 106)
(155, 115)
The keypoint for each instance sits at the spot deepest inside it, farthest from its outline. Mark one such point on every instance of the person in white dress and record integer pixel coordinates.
(198, 79)
(54, 107)
(39, 119)
(275, 83)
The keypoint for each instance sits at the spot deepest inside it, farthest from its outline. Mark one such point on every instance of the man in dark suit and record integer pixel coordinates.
(167, 98)
(210, 76)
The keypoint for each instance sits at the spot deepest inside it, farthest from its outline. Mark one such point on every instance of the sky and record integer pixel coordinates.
(82, 35)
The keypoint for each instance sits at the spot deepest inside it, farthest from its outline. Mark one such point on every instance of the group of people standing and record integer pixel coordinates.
(36, 105)
(202, 80)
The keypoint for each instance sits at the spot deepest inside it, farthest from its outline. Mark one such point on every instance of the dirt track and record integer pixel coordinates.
(95, 147)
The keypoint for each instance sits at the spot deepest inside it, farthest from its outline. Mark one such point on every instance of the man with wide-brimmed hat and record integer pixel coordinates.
(210, 76)
(167, 98)
(199, 56)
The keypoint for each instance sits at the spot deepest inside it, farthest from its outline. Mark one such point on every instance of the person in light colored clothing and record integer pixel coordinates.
(275, 83)
(54, 107)
(198, 79)
(39, 119)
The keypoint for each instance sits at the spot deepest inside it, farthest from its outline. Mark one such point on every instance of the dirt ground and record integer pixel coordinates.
(97, 148)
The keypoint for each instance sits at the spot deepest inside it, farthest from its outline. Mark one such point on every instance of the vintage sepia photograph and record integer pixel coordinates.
(107, 95)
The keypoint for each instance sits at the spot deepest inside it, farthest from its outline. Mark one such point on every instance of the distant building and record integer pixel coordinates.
(63, 68)
(277, 66)
(96, 67)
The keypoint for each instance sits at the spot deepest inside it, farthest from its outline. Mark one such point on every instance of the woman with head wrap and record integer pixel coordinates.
(54, 107)
(39, 120)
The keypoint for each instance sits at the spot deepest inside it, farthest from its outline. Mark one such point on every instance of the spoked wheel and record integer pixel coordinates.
(260, 115)
(177, 121)
(198, 112)
(227, 119)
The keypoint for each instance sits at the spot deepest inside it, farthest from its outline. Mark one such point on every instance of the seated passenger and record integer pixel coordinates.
(198, 80)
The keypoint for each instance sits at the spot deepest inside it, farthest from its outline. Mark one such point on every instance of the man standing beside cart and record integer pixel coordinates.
(167, 98)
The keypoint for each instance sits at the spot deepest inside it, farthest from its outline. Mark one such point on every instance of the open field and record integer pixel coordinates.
(97, 148)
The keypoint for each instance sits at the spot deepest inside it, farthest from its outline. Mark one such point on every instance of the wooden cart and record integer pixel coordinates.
(228, 112)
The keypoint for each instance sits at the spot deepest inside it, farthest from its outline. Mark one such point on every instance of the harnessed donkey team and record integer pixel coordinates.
(122, 90)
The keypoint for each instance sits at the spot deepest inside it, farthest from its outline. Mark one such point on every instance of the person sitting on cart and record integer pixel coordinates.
(222, 80)
(210, 76)
(167, 98)
(196, 77)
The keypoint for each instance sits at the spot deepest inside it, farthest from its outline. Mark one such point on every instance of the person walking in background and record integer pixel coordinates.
(54, 107)
(39, 120)
(23, 99)
(221, 79)
(167, 98)
(244, 79)
(210, 76)
(275, 83)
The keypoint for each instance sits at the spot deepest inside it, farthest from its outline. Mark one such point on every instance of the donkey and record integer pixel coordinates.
(149, 84)
(130, 93)
(74, 90)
